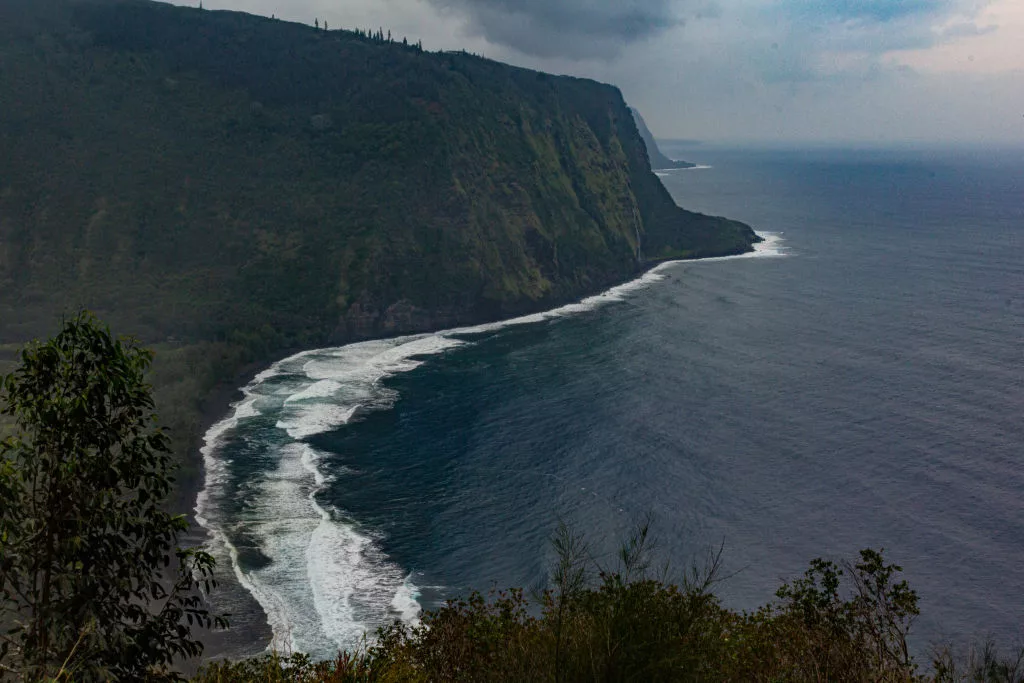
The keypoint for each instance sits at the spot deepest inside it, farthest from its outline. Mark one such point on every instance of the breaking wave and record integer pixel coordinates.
(321, 578)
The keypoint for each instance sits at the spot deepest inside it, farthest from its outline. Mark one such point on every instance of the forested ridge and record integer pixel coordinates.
(231, 187)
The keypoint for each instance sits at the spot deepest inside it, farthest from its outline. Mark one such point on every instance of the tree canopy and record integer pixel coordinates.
(92, 581)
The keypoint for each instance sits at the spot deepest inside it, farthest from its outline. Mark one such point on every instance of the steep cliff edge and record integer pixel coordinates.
(658, 159)
(230, 186)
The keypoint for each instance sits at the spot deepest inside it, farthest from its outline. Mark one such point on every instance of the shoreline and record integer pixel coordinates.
(220, 400)
(254, 625)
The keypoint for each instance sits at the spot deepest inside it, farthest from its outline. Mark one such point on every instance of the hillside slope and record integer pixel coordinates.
(229, 187)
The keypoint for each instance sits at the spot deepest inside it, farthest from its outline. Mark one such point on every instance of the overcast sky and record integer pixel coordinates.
(770, 71)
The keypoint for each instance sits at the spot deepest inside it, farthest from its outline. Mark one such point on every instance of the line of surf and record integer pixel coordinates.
(322, 582)
(324, 390)
(665, 172)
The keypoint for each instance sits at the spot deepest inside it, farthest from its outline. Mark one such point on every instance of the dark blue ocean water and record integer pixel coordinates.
(861, 384)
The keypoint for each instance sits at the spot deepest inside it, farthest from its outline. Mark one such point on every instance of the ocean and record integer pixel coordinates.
(857, 382)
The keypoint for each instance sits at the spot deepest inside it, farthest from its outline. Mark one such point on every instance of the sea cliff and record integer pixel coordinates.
(658, 160)
(230, 187)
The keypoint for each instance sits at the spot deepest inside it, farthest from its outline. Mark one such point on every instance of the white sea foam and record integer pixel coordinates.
(772, 245)
(277, 368)
(614, 294)
(321, 389)
(354, 585)
(207, 512)
(336, 582)
(662, 172)
(216, 468)
(339, 382)
(246, 408)
(406, 601)
(282, 520)
(326, 582)
(315, 418)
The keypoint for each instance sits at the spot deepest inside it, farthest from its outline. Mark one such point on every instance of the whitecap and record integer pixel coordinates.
(771, 245)
(663, 172)
(310, 419)
(321, 389)
(326, 584)
(246, 408)
(406, 601)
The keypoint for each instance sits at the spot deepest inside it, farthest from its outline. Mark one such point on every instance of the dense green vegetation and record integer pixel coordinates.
(93, 585)
(229, 187)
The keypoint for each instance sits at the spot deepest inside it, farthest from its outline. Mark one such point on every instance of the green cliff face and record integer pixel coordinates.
(233, 186)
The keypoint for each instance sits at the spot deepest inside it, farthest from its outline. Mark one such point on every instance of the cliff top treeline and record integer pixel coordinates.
(228, 186)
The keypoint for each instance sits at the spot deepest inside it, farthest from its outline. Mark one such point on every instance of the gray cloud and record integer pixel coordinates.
(843, 40)
(870, 10)
(966, 29)
(752, 70)
(601, 29)
(571, 28)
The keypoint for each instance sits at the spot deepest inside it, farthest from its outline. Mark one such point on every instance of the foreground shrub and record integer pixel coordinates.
(816, 632)
(93, 585)
(982, 663)
(299, 668)
(835, 623)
